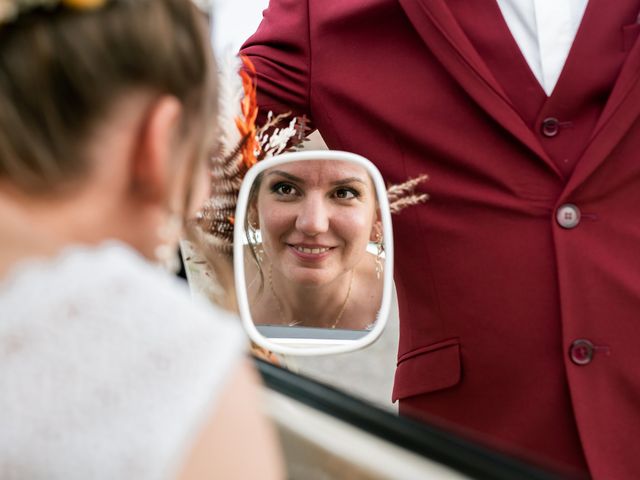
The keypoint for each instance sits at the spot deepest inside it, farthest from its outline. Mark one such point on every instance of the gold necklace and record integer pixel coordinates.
(292, 324)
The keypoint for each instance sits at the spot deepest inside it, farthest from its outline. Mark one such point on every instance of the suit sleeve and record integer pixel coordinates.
(281, 53)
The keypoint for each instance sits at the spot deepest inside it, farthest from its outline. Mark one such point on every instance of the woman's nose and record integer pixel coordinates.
(313, 217)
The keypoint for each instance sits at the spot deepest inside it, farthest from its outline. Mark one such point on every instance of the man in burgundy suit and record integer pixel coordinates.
(519, 281)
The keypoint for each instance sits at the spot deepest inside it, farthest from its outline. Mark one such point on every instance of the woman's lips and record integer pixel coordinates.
(310, 252)
(311, 249)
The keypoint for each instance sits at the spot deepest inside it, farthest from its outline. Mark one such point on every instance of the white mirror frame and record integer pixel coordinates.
(318, 347)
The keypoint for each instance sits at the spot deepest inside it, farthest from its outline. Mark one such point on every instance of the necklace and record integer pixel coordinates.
(292, 324)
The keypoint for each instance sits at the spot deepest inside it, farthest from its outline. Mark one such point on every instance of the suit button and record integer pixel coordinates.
(581, 352)
(550, 127)
(568, 216)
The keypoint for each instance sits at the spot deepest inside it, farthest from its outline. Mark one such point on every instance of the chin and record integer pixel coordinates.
(311, 278)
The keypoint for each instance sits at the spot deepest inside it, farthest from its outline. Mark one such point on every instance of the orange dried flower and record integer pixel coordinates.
(246, 124)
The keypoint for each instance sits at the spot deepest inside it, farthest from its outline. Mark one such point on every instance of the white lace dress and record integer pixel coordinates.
(107, 367)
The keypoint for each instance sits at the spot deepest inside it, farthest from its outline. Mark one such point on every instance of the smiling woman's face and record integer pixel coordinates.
(316, 219)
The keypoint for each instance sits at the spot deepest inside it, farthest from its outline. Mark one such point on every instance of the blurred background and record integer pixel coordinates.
(234, 21)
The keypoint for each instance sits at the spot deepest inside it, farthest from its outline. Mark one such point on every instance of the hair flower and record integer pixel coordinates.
(83, 4)
(10, 10)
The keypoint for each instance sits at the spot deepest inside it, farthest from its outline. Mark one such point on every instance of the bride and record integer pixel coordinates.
(108, 370)
(312, 268)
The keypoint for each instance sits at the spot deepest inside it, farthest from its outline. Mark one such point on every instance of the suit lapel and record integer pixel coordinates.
(620, 112)
(437, 27)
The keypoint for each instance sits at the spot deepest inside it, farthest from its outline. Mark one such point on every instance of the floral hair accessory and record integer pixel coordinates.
(83, 4)
(11, 9)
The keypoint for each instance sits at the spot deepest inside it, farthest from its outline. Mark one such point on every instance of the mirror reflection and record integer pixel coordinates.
(315, 247)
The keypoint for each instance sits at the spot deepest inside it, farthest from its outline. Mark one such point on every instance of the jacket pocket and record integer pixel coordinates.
(428, 369)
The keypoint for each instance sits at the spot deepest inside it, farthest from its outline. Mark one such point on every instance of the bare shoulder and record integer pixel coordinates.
(236, 441)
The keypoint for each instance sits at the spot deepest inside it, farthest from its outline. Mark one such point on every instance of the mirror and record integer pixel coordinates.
(313, 253)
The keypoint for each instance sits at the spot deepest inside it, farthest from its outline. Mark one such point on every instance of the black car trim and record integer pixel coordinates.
(434, 443)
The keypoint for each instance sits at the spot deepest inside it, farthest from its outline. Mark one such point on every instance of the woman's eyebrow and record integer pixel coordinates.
(286, 175)
(345, 181)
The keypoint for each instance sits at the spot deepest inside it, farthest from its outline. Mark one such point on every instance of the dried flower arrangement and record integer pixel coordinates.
(242, 144)
(239, 150)
(246, 144)
(403, 195)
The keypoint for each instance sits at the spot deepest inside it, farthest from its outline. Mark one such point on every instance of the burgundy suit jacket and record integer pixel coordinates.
(493, 291)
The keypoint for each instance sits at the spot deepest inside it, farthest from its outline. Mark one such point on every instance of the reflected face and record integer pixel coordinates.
(316, 218)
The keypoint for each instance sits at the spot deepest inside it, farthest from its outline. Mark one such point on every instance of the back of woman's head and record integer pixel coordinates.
(61, 67)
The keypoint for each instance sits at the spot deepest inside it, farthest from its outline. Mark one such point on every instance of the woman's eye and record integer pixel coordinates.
(346, 193)
(284, 189)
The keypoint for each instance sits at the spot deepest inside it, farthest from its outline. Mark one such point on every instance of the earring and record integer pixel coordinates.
(255, 245)
(258, 252)
(379, 256)
(165, 252)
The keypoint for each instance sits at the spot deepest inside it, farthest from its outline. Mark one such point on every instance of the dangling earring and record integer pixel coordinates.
(165, 252)
(379, 253)
(259, 252)
(253, 241)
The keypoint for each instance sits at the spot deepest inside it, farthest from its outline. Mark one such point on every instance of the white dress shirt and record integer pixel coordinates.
(544, 30)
